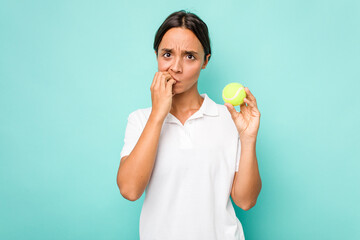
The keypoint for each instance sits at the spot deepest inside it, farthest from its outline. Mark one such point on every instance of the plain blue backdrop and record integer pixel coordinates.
(72, 71)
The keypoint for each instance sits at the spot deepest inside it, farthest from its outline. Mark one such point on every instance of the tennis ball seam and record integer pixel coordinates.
(235, 96)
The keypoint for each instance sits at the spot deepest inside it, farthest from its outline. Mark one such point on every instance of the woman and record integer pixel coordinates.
(185, 150)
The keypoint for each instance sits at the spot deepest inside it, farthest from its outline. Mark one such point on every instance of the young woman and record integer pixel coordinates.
(185, 150)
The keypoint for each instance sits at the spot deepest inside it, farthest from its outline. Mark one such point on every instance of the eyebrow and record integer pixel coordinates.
(186, 51)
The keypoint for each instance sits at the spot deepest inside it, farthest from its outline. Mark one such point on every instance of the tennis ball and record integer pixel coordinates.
(234, 93)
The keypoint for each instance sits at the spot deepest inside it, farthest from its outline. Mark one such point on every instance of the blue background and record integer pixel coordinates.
(72, 71)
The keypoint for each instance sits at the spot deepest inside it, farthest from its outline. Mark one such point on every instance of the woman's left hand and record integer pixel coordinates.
(247, 121)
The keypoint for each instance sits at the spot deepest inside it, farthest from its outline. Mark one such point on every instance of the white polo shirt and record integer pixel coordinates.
(188, 195)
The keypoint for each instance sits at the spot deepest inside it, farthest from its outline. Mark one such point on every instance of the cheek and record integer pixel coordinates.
(193, 70)
(163, 65)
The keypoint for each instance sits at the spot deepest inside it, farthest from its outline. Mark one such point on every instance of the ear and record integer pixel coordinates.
(206, 62)
(156, 53)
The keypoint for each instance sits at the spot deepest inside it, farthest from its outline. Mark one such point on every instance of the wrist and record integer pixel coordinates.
(248, 140)
(156, 118)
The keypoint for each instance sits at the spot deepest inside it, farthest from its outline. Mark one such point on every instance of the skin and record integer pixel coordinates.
(183, 67)
(247, 182)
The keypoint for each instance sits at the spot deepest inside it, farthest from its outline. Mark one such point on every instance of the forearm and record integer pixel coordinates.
(135, 171)
(248, 181)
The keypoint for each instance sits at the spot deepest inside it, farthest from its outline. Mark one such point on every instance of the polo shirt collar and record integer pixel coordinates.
(208, 108)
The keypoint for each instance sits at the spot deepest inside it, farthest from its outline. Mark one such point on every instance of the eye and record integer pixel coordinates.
(165, 53)
(192, 57)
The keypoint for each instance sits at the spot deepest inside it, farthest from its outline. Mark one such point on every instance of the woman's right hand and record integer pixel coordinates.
(161, 94)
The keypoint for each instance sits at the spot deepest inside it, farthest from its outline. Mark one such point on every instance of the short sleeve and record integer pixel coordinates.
(132, 133)
(238, 151)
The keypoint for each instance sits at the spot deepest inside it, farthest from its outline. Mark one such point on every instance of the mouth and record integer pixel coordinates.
(174, 79)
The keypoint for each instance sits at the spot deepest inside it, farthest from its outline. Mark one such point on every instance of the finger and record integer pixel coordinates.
(166, 78)
(158, 81)
(169, 86)
(231, 109)
(251, 98)
(154, 80)
(250, 103)
(249, 94)
(162, 82)
(164, 74)
(170, 83)
(242, 106)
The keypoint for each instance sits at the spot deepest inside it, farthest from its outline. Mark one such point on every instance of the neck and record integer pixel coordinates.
(186, 102)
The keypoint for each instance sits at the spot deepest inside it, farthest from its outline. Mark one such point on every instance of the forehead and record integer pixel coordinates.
(180, 38)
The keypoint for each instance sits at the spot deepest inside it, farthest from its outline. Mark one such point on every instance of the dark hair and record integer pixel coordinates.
(185, 20)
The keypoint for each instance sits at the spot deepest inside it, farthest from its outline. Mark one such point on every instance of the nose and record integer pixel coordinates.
(176, 65)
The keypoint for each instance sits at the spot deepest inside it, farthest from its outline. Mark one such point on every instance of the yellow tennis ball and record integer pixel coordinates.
(234, 93)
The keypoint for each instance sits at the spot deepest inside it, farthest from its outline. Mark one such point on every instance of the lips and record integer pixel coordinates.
(174, 78)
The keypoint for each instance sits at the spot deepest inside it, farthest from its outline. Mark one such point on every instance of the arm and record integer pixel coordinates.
(247, 182)
(135, 169)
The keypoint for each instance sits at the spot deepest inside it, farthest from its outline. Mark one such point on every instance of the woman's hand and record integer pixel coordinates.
(247, 121)
(161, 94)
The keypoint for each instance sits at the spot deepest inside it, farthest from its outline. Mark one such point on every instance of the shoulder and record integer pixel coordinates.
(141, 112)
(223, 112)
(225, 119)
(213, 108)
(140, 115)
